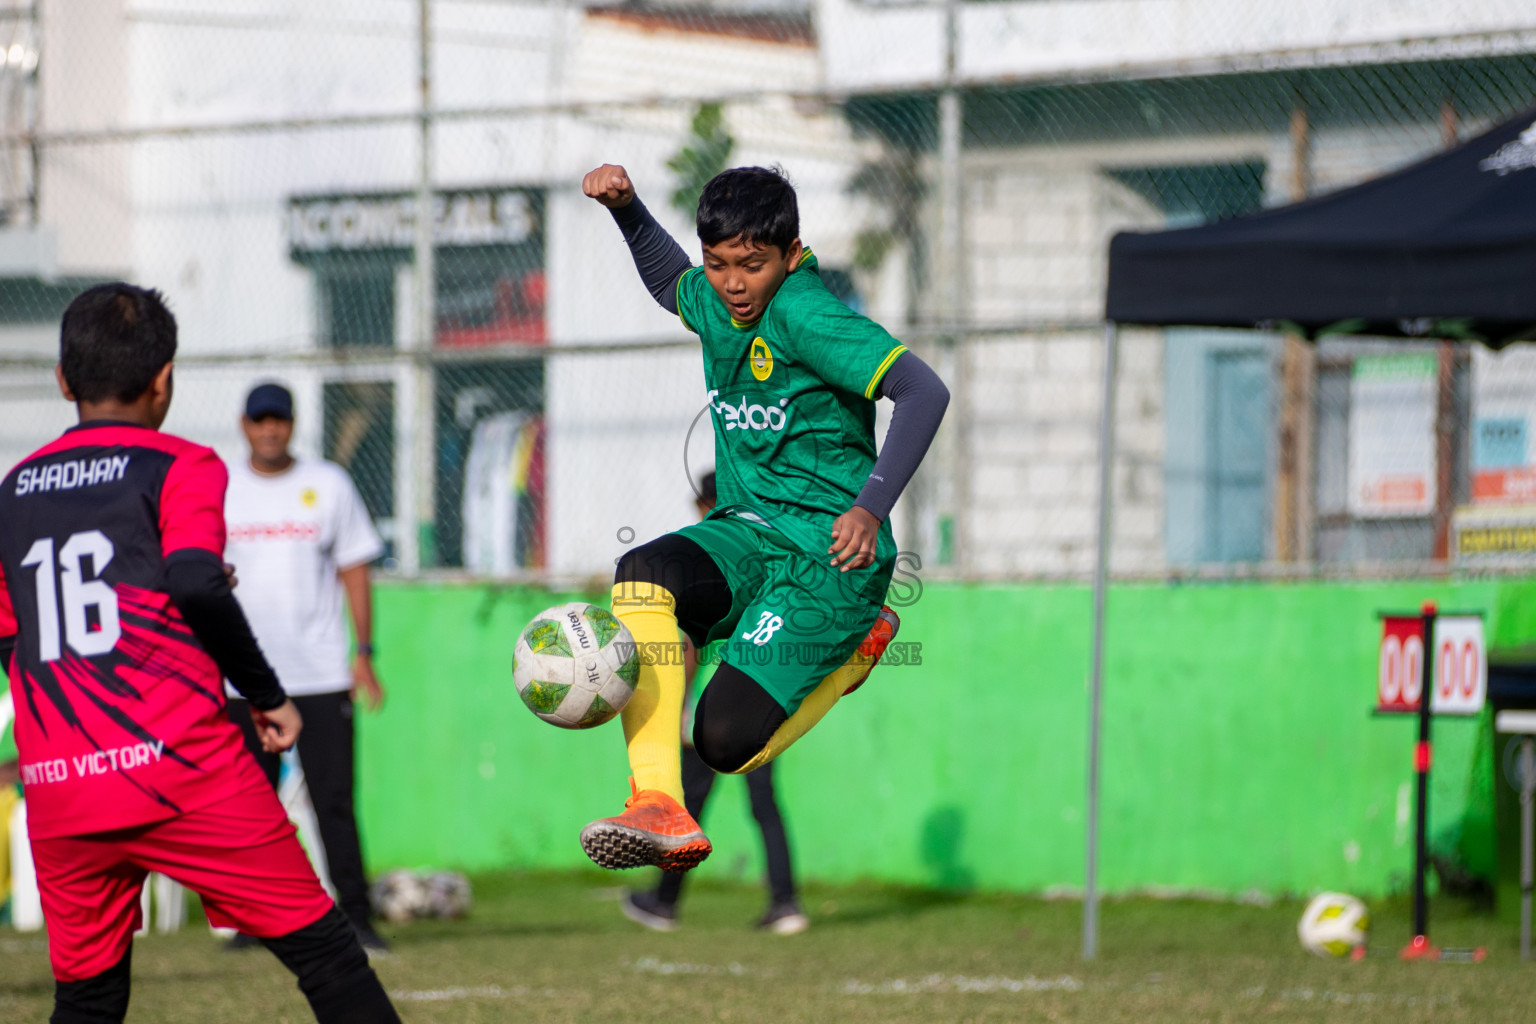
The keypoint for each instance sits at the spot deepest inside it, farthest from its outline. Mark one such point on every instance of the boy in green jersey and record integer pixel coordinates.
(792, 566)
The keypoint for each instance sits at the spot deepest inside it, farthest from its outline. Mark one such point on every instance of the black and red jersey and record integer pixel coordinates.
(120, 715)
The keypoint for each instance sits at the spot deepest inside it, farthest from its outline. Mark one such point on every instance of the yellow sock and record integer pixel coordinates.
(653, 717)
(810, 710)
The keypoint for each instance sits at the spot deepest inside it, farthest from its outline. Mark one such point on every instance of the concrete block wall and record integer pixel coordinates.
(1036, 235)
(1032, 418)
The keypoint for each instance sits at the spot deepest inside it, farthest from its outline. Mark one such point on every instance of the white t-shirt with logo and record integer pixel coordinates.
(290, 534)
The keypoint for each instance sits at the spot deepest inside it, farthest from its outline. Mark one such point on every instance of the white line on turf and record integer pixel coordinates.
(23, 945)
(943, 983)
(652, 965)
(455, 992)
(960, 983)
(608, 893)
(1308, 995)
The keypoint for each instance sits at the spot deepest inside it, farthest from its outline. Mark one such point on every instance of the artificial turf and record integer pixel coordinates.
(554, 947)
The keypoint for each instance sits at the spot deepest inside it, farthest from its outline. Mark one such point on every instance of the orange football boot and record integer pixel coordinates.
(654, 829)
(880, 636)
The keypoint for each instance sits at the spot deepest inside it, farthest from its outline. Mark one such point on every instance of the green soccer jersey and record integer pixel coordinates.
(792, 400)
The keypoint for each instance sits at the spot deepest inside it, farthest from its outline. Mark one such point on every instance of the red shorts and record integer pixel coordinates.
(241, 855)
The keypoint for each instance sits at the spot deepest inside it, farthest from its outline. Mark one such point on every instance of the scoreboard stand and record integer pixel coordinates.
(1455, 678)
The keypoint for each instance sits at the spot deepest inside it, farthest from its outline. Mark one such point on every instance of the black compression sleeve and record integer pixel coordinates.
(658, 257)
(921, 399)
(198, 587)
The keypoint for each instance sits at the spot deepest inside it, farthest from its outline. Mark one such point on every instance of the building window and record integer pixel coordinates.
(1218, 388)
(1238, 431)
(1220, 426)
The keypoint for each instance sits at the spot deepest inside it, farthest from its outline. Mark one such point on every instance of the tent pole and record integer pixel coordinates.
(1096, 677)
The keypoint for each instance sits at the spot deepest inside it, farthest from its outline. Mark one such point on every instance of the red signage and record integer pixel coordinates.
(1400, 668)
(1460, 671)
(1512, 486)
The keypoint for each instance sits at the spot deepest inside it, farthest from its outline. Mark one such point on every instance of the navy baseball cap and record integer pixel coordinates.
(269, 400)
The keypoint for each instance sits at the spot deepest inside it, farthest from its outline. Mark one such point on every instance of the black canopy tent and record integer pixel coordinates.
(1445, 248)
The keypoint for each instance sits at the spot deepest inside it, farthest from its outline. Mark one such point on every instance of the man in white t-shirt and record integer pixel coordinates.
(301, 540)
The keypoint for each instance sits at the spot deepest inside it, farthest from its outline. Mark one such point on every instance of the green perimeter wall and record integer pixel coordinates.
(1239, 751)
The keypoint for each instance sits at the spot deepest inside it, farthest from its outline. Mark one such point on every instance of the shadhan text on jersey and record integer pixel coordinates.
(63, 476)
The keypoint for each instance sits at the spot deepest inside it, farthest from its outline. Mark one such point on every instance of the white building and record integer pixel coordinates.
(257, 160)
(1086, 117)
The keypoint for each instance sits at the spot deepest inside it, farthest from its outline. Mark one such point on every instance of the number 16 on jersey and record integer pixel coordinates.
(63, 583)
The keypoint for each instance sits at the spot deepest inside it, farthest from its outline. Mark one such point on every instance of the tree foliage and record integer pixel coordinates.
(704, 155)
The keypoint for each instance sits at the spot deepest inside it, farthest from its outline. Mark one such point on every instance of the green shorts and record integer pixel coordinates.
(794, 618)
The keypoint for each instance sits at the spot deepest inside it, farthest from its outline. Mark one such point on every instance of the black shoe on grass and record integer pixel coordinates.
(784, 918)
(645, 909)
(372, 942)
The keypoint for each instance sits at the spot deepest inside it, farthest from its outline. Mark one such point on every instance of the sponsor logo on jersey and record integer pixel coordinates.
(741, 416)
(761, 359)
(65, 476)
(288, 529)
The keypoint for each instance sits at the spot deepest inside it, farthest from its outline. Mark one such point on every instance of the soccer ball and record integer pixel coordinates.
(1334, 925)
(575, 665)
(397, 896)
(448, 895)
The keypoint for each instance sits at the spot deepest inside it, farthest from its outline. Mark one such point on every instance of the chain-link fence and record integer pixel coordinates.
(510, 401)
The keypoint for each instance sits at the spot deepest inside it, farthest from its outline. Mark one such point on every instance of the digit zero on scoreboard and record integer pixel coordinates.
(1460, 666)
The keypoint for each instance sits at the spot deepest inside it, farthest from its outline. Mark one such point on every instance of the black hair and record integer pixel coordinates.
(707, 486)
(113, 341)
(755, 204)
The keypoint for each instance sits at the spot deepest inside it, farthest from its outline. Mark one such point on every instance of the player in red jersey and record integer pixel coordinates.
(118, 626)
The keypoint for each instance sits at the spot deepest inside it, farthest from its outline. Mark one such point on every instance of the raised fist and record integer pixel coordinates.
(609, 185)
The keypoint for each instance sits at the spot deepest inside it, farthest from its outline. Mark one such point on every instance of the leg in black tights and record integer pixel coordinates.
(698, 780)
(333, 972)
(735, 719)
(326, 752)
(765, 808)
(685, 571)
(332, 969)
(102, 999)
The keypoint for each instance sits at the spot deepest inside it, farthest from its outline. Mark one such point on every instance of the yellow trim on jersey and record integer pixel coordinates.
(677, 297)
(885, 364)
(805, 254)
